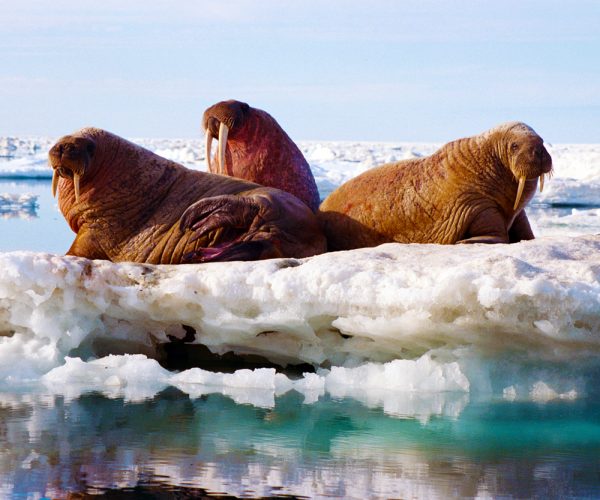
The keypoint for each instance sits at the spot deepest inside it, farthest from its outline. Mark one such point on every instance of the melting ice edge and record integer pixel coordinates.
(390, 325)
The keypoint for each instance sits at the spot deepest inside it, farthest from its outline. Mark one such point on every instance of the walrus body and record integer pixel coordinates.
(472, 190)
(252, 146)
(127, 204)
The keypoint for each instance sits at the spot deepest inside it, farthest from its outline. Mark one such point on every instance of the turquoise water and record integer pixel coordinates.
(333, 448)
(174, 446)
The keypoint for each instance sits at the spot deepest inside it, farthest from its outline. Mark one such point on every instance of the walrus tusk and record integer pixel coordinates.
(54, 183)
(519, 192)
(223, 132)
(209, 139)
(76, 178)
(541, 183)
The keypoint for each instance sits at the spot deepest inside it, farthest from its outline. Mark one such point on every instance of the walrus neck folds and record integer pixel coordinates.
(104, 181)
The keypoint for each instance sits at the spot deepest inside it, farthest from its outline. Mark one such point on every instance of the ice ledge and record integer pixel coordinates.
(344, 308)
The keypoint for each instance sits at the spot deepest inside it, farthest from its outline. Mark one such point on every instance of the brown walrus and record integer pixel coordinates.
(254, 147)
(472, 190)
(128, 204)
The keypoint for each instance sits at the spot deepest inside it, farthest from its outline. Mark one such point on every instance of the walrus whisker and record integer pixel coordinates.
(54, 183)
(541, 182)
(223, 133)
(519, 192)
(209, 140)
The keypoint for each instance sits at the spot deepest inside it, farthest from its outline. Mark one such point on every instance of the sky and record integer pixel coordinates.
(403, 70)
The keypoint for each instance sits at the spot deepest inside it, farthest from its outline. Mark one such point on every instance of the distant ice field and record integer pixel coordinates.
(570, 200)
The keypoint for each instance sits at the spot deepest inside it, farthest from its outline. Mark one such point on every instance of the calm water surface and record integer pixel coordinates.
(42, 229)
(173, 446)
(333, 448)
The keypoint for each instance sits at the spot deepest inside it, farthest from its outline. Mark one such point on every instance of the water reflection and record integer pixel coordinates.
(30, 219)
(21, 206)
(335, 447)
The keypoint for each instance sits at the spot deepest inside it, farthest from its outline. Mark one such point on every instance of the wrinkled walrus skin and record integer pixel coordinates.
(128, 204)
(466, 192)
(254, 147)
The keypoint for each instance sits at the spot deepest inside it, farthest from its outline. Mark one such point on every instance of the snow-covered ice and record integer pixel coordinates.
(404, 318)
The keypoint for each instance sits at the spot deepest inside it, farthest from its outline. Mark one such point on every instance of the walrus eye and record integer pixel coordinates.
(91, 148)
(514, 146)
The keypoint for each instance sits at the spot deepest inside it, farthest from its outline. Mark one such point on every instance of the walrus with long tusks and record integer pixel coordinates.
(472, 190)
(128, 204)
(252, 146)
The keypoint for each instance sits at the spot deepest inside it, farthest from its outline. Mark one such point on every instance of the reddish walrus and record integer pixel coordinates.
(472, 190)
(128, 204)
(252, 146)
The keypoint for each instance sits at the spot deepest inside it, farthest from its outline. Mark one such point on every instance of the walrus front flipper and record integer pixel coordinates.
(259, 223)
(225, 211)
(520, 229)
(487, 227)
(237, 250)
(237, 228)
(482, 239)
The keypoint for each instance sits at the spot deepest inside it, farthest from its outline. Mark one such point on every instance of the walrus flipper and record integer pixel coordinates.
(229, 211)
(520, 229)
(487, 227)
(232, 218)
(236, 250)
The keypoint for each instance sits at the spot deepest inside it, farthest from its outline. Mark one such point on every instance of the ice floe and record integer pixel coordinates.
(404, 318)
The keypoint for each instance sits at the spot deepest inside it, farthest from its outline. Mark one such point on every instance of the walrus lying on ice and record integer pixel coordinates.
(252, 146)
(127, 204)
(472, 190)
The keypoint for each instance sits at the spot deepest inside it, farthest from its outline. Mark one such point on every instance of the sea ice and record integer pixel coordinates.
(576, 175)
(414, 307)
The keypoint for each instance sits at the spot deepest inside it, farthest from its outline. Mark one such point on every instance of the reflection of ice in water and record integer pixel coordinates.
(22, 206)
(336, 448)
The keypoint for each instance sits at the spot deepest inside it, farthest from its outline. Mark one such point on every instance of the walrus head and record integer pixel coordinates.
(524, 154)
(69, 158)
(219, 121)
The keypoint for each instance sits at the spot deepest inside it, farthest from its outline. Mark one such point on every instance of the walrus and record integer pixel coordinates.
(252, 146)
(126, 203)
(472, 190)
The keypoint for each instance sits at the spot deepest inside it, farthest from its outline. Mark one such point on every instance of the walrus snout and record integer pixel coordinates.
(73, 148)
(539, 161)
(544, 159)
(217, 121)
(531, 160)
(232, 113)
(70, 157)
